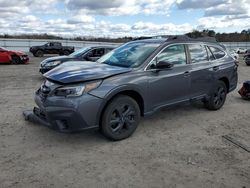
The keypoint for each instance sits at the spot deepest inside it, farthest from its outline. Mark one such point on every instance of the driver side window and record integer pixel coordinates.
(174, 54)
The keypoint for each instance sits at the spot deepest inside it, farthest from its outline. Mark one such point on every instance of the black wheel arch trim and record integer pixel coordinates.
(116, 91)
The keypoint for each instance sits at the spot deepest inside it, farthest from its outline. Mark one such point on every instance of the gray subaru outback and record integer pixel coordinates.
(134, 80)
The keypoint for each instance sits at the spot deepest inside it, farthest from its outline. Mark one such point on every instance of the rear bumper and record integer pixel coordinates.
(66, 115)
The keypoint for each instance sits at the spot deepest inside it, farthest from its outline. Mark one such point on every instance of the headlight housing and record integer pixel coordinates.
(76, 91)
(52, 63)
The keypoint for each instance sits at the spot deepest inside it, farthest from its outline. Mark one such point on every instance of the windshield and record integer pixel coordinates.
(129, 55)
(79, 52)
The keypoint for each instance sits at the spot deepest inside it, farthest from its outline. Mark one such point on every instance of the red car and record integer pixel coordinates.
(13, 57)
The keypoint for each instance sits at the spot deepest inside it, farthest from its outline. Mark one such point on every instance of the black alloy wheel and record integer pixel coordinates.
(39, 53)
(218, 96)
(66, 52)
(120, 118)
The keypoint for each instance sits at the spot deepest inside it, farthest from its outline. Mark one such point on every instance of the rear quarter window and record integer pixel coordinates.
(218, 54)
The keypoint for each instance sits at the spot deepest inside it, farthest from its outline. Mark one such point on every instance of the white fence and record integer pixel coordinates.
(25, 44)
(235, 45)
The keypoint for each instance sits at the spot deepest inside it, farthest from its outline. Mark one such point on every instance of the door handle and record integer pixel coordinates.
(216, 68)
(186, 74)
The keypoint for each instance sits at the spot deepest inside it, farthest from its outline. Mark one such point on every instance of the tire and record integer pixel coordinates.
(15, 60)
(124, 112)
(66, 52)
(39, 53)
(217, 96)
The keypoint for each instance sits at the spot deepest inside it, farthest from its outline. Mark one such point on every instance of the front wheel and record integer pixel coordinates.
(16, 60)
(120, 118)
(217, 97)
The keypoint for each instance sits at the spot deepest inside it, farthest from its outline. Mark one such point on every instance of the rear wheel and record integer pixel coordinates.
(120, 118)
(15, 60)
(39, 53)
(66, 52)
(217, 97)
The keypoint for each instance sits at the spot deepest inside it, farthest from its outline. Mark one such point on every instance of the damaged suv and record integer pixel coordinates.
(134, 80)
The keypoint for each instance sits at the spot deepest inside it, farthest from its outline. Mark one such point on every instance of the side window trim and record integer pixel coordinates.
(147, 68)
(208, 49)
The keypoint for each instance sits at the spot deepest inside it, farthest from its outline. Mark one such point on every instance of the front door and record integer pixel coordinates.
(171, 85)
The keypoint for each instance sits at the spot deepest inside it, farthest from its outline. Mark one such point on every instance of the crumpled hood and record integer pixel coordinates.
(81, 71)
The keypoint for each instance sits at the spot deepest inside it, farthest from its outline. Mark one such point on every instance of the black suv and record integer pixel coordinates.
(91, 53)
(51, 48)
(134, 80)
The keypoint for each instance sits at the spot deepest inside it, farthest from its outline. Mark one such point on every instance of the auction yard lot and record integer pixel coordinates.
(177, 147)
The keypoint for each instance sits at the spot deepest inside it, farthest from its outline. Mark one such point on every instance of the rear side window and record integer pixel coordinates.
(198, 53)
(217, 52)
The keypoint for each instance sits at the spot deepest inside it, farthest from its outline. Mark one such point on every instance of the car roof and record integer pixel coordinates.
(101, 46)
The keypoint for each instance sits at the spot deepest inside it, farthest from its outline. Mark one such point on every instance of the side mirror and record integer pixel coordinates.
(164, 65)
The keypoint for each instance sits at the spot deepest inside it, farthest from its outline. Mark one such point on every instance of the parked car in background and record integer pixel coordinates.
(13, 57)
(92, 53)
(234, 54)
(241, 50)
(247, 60)
(134, 80)
(51, 48)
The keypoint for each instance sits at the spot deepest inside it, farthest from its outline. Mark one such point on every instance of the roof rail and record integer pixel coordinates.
(187, 38)
(141, 38)
(179, 38)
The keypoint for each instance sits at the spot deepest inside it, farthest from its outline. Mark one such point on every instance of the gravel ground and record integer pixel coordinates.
(177, 147)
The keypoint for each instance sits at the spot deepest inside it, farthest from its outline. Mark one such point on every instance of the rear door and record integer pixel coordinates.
(201, 74)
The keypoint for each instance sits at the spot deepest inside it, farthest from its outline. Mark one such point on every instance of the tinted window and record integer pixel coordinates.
(210, 55)
(173, 54)
(57, 44)
(198, 53)
(217, 52)
(97, 52)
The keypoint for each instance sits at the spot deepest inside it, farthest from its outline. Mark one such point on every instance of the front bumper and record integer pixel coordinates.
(25, 59)
(66, 114)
